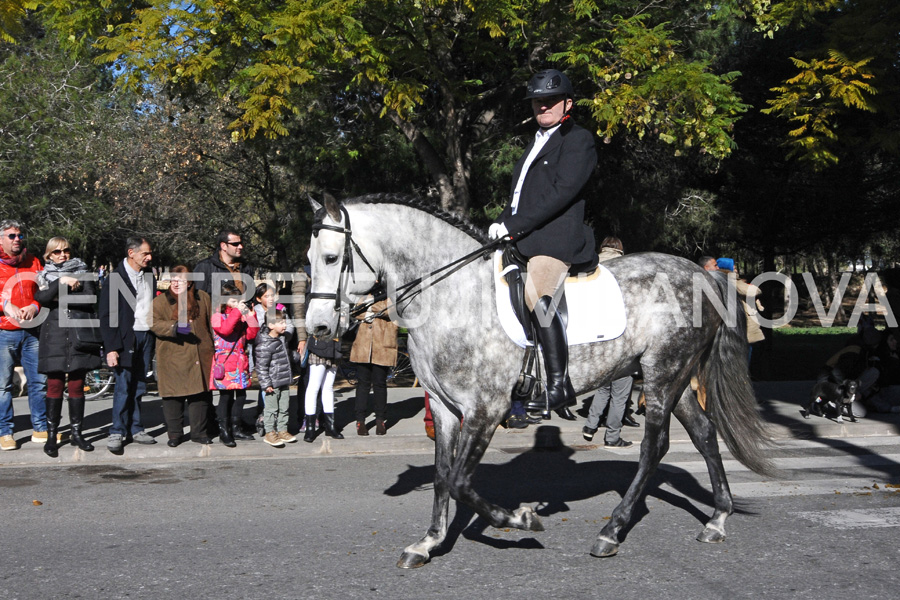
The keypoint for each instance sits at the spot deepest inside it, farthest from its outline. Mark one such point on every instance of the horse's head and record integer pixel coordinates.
(331, 258)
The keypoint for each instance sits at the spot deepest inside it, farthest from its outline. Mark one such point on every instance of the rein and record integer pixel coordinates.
(406, 292)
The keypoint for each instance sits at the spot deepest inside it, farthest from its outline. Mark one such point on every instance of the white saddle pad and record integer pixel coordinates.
(595, 306)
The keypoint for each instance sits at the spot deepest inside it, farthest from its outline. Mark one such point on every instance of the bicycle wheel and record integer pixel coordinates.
(402, 370)
(98, 382)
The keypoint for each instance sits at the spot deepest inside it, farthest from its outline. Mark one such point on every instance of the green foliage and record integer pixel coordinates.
(12, 13)
(814, 98)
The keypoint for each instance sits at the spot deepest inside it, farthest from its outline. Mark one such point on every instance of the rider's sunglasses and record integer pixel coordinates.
(235, 244)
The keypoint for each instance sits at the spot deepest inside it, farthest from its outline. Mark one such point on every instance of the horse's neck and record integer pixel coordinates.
(413, 244)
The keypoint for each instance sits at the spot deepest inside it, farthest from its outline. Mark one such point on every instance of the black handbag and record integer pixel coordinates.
(87, 339)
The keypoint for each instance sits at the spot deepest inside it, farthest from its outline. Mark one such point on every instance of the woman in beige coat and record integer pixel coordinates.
(184, 356)
(374, 351)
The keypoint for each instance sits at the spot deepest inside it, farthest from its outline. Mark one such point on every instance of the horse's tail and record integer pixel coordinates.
(731, 402)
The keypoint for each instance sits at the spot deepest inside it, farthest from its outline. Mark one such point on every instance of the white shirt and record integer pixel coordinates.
(540, 139)
(141, 283)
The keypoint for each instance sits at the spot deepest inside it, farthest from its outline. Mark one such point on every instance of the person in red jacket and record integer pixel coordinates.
(19, 332)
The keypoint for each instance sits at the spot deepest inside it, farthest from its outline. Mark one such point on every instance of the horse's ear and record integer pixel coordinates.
(312, 202)
(333, 208)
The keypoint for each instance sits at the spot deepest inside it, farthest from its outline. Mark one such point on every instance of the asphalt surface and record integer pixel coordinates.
(780, 404)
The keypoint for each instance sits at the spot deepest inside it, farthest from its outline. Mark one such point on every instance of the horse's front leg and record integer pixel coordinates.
(703, 434)
(446, 429)
(477, 431)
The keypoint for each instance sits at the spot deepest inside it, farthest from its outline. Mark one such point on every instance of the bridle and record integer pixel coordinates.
(406, 292)
(346, 259)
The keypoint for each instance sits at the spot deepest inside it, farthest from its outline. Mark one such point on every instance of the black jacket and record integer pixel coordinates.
(273, 364)
(117, 327)
(56, 352)
(211, 265)
(550, 216)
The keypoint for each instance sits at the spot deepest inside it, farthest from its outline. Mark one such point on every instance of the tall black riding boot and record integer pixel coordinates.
(555, 348)
(54, 412)
(310, 435)
(76, 416)
(330, 431)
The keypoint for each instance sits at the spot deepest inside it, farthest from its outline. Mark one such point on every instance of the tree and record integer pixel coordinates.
(447, 75)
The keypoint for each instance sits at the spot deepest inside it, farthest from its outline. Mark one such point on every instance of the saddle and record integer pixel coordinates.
(591, 306)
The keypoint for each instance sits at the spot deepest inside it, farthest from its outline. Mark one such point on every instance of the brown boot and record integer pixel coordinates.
(361, 428)
(380, 429)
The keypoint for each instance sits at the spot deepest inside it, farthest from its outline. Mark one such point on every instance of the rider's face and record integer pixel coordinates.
(550, 110)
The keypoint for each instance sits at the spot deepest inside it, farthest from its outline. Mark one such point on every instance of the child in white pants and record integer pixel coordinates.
(324, 356)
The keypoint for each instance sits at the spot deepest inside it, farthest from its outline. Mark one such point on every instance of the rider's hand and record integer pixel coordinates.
(497, 231)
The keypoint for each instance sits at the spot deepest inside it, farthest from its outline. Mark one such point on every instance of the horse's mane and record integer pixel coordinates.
(418, 203)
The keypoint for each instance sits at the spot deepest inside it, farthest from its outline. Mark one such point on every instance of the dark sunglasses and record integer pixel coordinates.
(61, 251)
(13, 236)
(235, 244)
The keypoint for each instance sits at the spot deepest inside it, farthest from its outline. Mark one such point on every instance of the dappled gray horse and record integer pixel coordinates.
(468, 365)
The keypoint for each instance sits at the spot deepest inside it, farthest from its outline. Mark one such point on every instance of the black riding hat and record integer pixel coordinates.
(549, 82)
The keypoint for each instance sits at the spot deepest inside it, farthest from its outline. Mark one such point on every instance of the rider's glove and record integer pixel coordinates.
(497, 231)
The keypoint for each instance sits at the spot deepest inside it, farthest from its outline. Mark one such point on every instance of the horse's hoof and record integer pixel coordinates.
(604, 548)
(527, 519)
(711, 535)
(411, 560)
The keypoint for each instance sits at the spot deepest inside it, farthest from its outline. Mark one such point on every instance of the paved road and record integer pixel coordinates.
(333, 526)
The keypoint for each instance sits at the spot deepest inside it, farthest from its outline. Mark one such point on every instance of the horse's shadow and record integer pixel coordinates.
(548, 477)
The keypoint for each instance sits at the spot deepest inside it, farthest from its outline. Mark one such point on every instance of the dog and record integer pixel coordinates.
(832, 400)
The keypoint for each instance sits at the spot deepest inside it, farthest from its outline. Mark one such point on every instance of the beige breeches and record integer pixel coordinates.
(545, 276)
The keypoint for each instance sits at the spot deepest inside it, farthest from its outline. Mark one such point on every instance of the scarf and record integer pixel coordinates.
(12, 261)
(52, 271)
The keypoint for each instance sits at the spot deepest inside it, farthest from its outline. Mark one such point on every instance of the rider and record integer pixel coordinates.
(545, 220)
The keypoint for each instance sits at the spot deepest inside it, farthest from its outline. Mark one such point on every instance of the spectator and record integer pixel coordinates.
(324, 357)
(708, 263)
(886, 396)
(234, 326)
(264, 304)
(374, 351)
(184, 355)
(226, 265)
(615, 394)
(66, 288)
(545, 221)
(744, 289)
(18, 339)
(125, 325)
(273, 370)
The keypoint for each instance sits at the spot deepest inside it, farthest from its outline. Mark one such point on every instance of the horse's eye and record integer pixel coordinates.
(331, 259)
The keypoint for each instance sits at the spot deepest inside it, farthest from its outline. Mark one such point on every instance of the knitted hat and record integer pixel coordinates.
(725, 264)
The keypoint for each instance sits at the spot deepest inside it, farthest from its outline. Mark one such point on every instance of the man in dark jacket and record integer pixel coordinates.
(545, 220)
(125, 316)
(225, 264)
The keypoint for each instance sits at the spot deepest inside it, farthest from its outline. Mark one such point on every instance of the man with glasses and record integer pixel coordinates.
(19, 333)
(544, 219)
(226, 264)
(125, 326)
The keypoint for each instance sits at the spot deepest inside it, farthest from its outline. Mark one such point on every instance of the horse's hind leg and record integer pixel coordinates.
(703, 434)
(446, 425)
(653, 448)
